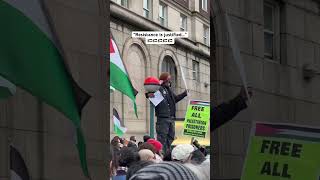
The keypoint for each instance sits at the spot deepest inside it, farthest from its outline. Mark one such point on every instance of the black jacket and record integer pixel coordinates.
(167, 108)
(226, 111)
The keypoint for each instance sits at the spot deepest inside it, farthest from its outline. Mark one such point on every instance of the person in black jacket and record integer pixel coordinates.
(166, 112)
(227, 111)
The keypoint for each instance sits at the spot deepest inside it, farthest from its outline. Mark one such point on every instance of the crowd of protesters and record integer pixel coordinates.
(155, 159)
(132, 160)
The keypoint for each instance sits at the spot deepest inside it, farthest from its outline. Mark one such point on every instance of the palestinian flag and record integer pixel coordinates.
(18, 169)
(6, 88)
(119, 127)
(30, 59)
(119, 78)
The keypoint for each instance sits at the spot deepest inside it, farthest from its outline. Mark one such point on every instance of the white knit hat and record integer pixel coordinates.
(182, 152)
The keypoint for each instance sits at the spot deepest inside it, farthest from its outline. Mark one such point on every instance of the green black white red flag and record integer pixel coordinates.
(30, 59)
(119, 127)
(119, 78)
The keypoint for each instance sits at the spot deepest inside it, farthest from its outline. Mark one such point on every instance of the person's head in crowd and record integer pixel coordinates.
(197, 157)
(182, 153)
(116, 138)
(165, 79)
(146, 155)
(128, 156)
(146, 138)
(136, 167)
(156, 144)
(116, 143)
(139, 143)
(202, 171)
(133, 139)
(122, 140)
(132, 145)
(165, 171)
(146, 145)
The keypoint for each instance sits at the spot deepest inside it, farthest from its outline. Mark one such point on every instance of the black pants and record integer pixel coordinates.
(165, 128)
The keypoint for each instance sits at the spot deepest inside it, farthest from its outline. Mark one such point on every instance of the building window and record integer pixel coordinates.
(183, 22)
(147, 4)
(269, 14)
(169, 66)
(122, 2)
(195, 70)
(206, 35)
(163, 14)
(204, 5)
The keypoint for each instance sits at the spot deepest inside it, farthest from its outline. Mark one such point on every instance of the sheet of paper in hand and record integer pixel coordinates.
(157, 99)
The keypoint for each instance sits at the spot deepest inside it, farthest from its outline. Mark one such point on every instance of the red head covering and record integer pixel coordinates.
(151, 80)
(156, 144)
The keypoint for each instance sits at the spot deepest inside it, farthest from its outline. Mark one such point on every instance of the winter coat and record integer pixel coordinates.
(167, 108)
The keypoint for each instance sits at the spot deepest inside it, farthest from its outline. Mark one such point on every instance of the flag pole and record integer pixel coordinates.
(184, 79)
(235, 49)
(151, 120)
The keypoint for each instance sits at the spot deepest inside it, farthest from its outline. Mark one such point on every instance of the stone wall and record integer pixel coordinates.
(280, 92)
(44, 136)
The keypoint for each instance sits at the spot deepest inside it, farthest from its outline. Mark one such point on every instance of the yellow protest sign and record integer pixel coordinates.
(196, 122)
(282, 151)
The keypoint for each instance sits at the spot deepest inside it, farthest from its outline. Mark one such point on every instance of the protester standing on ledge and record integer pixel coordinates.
(166, 112)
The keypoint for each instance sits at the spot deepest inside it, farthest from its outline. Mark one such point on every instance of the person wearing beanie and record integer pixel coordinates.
(166, 112)
(156, 144)
(165, 171)
(158, 148)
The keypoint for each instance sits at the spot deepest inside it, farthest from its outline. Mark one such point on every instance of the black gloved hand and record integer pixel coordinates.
(243, 93)
(186, 92)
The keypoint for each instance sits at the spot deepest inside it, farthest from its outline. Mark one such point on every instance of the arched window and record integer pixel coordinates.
(169, 66)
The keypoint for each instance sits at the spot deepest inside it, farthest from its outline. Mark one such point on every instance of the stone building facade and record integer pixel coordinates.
(279, 41)
(44, 136)
(142, 60)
